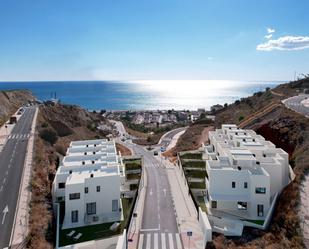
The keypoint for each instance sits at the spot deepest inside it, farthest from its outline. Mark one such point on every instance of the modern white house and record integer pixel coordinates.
(88, 182)
(245, 174)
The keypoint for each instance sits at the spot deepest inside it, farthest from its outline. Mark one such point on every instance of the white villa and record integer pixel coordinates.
(88, 183)
(245, 174)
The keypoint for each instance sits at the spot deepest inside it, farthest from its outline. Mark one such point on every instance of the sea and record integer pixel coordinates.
(142, 95)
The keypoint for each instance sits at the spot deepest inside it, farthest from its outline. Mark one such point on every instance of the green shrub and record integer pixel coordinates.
(192, 156)
(194, 164)
(241, 118)
(48, 135)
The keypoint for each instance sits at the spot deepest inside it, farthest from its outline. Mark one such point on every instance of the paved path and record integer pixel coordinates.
(12, 160)
(168, 210)
(298, 104)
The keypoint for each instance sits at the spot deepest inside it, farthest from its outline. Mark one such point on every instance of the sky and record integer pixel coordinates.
(132, 40)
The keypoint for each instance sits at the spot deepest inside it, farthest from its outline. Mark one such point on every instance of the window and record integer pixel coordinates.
(260, 190)
(233, 184)
(260, 210)
(74, 216)
(74, 196)
(245, 185)
(115, 205)
(242, 205)
(213, 204)
(98, 188)
(86, 190)
(61, 185)
(91, 208)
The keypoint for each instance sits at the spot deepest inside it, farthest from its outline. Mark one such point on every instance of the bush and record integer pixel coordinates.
(49, 135)
(44, 125)
(241, 118)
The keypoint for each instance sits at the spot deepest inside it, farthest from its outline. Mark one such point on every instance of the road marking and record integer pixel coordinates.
(150, 192)
(170, 240)
(4, 180)
(1, 188)
(141, 240)
(164, 191)
(5, 211)
(150, 229)
(155, 241)
(148, 242)
(178, 241)
(163, 243)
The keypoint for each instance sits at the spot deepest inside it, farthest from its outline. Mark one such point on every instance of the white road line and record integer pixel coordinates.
(170, 240)
(163, 243)
(148, 242)
(178, 242)
(155, 241)
(141, 241)
(150, 229)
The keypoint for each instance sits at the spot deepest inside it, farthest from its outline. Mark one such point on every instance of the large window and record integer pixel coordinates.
(233, 184)
(260, 210)
(98, 188)
(242, 205)
(260, 190)
(86, 190)
(74, 196)
(115, 206)
(61, 185)
(74, 216)
(213, 204)
(91, 208)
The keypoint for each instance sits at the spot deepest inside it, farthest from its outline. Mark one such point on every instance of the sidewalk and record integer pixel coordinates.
(187, 216)
(136, 222)
(20, 228)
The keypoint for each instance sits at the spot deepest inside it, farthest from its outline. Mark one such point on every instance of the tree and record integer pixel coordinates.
(49, 135)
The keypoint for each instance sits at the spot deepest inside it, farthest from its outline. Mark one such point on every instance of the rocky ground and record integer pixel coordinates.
(57, 126)
(10, 101)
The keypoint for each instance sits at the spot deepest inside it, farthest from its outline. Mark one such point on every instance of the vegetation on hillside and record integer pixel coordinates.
(289, 131)
(10, 101)
(57, 126)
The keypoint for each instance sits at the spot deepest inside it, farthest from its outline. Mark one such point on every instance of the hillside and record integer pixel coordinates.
(10, 101)
(288, 130)
(57, 126)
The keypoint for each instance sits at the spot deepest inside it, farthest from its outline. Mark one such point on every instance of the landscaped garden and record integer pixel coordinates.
(99, 231)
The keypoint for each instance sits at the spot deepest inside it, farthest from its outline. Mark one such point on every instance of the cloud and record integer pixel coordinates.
(285, 43)
(270, 30)
(268, 36)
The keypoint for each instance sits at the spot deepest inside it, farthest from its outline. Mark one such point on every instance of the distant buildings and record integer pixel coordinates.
(87, 183)
(245, 174)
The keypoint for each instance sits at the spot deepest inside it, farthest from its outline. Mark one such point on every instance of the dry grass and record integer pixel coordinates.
(123, 150)
(46, 160)
(290, 131)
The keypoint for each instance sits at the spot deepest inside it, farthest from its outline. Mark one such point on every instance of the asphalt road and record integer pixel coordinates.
(166, 139)
(295, 104)
(159, 227)
(12, 160)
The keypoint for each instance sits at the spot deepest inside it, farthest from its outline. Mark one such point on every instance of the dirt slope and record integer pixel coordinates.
(10, 101)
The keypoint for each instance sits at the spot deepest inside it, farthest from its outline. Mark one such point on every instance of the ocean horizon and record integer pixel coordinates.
(143, 95)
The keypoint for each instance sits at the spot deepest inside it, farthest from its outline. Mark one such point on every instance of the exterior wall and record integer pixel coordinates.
(109, 190)
(205, 225)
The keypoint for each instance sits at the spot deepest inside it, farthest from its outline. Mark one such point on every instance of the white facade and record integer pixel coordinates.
(245, 173)
(88, 182)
